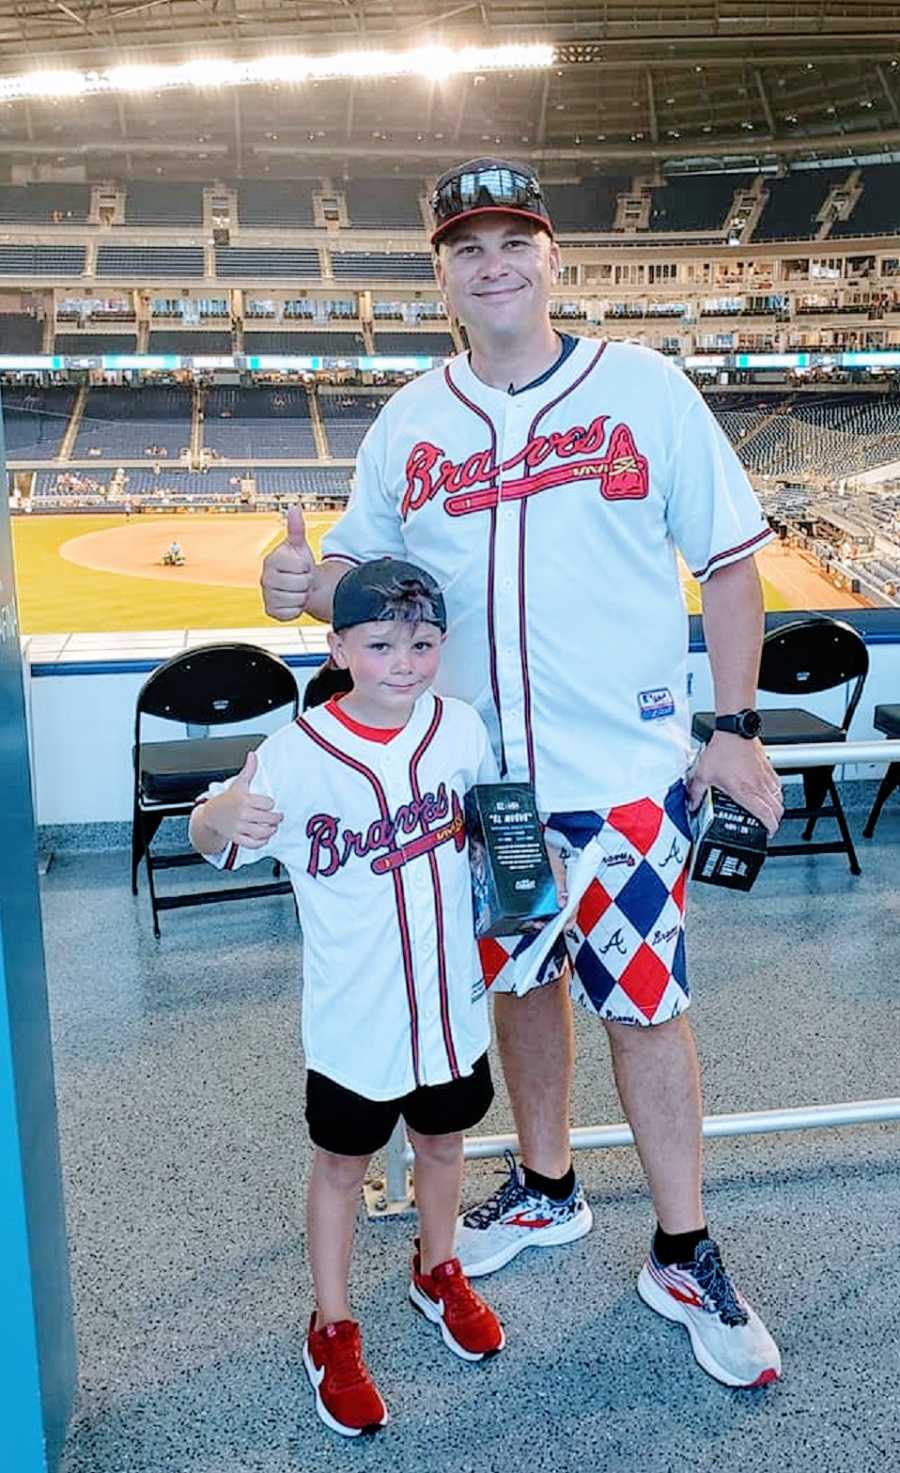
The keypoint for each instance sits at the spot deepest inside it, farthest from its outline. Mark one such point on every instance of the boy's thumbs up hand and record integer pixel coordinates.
(247, 773)
(288, 571)
(242, 817)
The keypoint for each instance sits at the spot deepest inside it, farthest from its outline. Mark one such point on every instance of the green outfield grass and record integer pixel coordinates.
(57, 596)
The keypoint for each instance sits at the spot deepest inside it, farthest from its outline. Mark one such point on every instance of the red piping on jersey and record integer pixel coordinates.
(405, 946)
(414, 760)
(744, 547)
(492, 534)
(523, 634)
(340, 557)
(230, 857)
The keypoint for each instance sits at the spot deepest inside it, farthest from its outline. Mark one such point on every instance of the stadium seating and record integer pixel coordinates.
(346, 418)
(319, 344)
(86, 343)
(877, 211)
(793, 203)
(830, 437)
(695, 201)
(151, 202)
(38, 203)
(590, 205)
(384, 203)
(34, 421)
(185, 341)
(151, 262)
(262, 202)
(20, 261)
(254, 262)
(128, 424)
(271, 423)
(424, 344)
(331, 481)
(375, 266)
(20, 333)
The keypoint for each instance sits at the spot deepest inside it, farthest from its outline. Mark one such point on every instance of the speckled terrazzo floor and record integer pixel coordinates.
(180, 1092)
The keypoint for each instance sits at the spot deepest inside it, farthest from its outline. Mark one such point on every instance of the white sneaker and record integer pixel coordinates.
(514, 1218)
(728, 1338)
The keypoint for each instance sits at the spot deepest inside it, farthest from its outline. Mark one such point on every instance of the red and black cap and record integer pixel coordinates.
(385, 589)
(487, 187)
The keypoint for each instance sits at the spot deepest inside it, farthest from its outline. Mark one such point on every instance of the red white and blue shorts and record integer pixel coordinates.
(624, 945)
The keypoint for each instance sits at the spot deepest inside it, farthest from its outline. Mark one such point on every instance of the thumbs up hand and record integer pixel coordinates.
(288, 571)
(239, 816)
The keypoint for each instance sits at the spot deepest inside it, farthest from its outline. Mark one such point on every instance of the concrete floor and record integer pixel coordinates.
(180, 1092)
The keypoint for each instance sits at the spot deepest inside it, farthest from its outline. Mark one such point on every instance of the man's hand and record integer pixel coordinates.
(238, 816)
(743, 771)
(287, 573)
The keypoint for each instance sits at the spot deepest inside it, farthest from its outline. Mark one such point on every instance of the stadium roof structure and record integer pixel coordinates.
(629, 88)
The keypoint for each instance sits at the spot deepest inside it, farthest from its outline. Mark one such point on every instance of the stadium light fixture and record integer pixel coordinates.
(431, 63)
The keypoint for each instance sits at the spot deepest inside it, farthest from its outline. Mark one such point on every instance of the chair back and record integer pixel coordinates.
(814, 654)
(217, 684)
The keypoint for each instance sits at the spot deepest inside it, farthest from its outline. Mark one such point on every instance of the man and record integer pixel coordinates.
(545, 482)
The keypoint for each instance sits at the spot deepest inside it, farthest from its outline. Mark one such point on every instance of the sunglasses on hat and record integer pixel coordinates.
(483, 186)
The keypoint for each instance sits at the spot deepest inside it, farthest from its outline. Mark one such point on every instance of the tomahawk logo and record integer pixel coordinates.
(477, 484)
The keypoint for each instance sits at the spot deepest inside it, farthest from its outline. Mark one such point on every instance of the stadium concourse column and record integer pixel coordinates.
(38, 1382)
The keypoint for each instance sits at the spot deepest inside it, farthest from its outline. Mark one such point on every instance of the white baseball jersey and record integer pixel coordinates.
(551, 518)
(374, 842)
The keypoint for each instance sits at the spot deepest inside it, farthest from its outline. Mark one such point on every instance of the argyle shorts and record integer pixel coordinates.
(625, 942)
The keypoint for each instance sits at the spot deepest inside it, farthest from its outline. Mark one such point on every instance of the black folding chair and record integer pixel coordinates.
(804, 658)
(887, 719)
(214, 685)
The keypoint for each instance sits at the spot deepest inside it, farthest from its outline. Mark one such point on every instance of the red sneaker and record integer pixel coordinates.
(467, 1325)
(347, 1399)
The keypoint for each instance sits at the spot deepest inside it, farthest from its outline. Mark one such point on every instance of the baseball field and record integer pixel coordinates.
(87, 574)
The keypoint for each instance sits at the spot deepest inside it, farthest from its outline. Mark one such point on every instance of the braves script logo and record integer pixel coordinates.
(330, 847)
(477, 484)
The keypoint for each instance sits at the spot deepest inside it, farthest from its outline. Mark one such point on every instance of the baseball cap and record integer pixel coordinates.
(487, 186)
(373, 591)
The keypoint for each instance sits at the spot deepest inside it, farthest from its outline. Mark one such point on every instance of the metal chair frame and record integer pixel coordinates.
(212, 685)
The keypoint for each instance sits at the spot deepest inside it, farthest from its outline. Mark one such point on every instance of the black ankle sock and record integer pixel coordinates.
(677, 1247)
(557, 1188)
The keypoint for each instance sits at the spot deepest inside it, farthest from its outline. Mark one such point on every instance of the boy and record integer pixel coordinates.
(362, 800)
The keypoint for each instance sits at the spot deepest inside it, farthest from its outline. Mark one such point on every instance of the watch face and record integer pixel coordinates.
(750, 723)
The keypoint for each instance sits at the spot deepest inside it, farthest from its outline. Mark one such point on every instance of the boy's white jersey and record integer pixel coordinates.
(373, 839)
(551, 518)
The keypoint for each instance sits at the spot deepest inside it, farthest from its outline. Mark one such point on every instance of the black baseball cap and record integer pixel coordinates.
(365, 594)
(487, 187)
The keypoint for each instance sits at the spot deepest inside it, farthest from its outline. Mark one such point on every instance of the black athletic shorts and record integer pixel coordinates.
(350, 1125)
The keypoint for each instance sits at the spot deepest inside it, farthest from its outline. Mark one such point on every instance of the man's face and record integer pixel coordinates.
(496, 273)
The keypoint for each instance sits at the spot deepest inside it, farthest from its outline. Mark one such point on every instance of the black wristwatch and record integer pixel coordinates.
(746, 723)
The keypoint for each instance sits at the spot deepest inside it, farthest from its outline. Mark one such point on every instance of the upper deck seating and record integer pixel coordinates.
(35, 420)
(268, 422)
(690, 202)
(128, 424)
(793, 203)
(152, 202)
(150, 262)
(384, 203)
(587, 206)
(19, 261)
(39, 203)
(417, 344)
(382, 266)
(278, 202)
(254, 262)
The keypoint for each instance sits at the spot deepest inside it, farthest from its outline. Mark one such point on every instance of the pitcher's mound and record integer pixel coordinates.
(222, 552)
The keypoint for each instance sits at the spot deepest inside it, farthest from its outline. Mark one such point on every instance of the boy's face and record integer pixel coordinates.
(391, 662)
